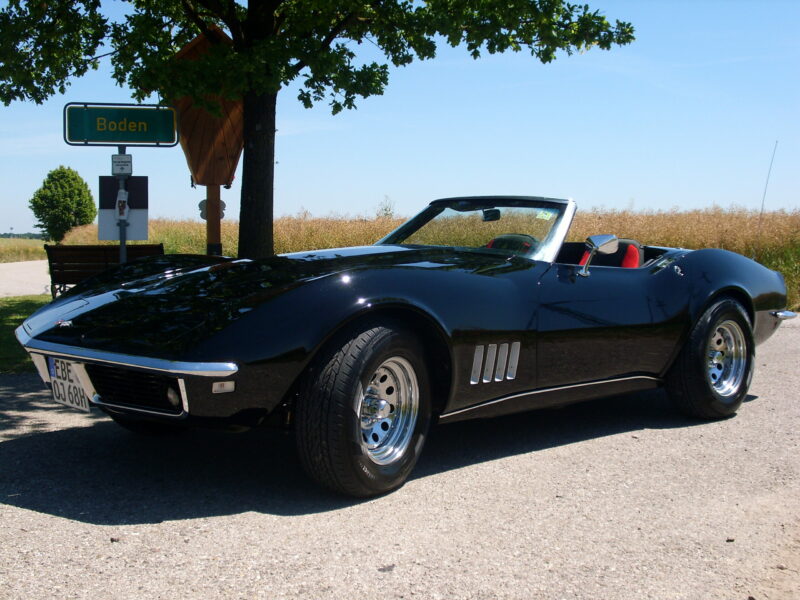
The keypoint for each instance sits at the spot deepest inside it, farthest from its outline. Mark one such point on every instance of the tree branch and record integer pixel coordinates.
(99, 56)
(326, 42)
(225, 11)
(194, 16)
(261, 18)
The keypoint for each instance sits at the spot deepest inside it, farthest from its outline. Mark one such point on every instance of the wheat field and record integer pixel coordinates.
(21, 249)
(772, 238)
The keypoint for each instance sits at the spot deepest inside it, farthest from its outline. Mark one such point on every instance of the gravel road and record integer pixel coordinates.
(24, 278)
(613, 499)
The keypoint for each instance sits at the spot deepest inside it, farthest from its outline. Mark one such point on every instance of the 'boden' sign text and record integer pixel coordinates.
(103, 124)
(112, 125)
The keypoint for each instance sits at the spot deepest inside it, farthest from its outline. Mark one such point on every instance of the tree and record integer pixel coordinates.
(274, 43)
(63, 202)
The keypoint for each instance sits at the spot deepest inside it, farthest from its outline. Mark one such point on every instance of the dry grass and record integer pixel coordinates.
(292, 234)
(772, 239)
(303, 232)
(21, 249)
(777, 245)
(732, 229)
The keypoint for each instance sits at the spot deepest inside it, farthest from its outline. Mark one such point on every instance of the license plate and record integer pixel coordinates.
(67, 388)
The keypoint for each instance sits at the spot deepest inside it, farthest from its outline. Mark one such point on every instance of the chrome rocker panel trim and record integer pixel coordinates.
(483, 405)
(200, 369)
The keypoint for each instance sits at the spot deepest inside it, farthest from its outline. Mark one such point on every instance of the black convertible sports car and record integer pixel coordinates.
(475, 307)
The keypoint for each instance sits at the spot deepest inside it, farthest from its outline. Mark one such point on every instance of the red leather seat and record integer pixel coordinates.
(629, 255)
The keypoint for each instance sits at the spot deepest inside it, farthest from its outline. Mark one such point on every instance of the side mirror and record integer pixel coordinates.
(598, 244)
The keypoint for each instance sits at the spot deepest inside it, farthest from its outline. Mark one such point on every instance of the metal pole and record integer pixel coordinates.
(213, 230)
(123, 223)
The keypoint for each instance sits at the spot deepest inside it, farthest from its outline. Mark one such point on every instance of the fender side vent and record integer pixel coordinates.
(495, 362)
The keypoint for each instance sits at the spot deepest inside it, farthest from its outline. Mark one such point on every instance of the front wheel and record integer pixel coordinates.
(363, 415)
(712, 373)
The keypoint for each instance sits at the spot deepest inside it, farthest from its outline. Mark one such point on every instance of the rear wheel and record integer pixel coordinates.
(712, 374)
(364, 413)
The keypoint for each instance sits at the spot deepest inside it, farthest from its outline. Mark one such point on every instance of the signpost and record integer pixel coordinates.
(121, 125)
(88, 124)
(108, 215)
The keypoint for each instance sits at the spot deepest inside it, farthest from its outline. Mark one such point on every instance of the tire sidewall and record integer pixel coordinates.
(723, 310)
(391, 343)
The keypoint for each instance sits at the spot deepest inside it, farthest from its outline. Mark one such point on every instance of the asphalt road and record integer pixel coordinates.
(614, 499)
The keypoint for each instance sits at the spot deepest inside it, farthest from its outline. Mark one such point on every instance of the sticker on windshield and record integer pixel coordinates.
(545, 215)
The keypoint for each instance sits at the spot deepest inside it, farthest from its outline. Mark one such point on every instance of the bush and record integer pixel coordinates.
(63, 202)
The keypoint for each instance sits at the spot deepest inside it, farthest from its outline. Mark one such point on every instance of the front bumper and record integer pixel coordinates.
(768, 321)
(783, 315)
(138, 384)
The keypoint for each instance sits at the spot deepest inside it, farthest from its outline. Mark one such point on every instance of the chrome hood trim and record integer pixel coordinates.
(200, 369)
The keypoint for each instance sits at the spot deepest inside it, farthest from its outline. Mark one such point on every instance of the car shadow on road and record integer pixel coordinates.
(102, 474)
(461, 444)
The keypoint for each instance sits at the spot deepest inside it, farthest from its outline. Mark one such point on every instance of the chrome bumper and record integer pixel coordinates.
(783, 315)
(39, 350)
(199, 369)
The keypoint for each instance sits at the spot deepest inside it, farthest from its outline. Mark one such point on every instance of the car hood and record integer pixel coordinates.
(161, 306)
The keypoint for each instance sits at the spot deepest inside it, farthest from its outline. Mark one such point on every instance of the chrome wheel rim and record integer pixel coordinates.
(387, 410)
(727, 358)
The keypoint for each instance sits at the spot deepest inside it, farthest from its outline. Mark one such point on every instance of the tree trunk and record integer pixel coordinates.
(258, 176)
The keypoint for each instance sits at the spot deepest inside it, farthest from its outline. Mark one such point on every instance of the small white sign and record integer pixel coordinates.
(204, 203)
(121, 164)
(108, 224)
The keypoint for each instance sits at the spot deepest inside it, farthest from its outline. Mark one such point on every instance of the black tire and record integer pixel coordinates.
(712, 373)
(146, 427)
(352, 436)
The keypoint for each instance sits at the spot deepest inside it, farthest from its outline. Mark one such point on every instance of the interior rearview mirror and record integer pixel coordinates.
(491, 214)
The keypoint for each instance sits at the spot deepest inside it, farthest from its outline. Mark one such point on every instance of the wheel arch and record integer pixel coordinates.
(689, 381)
(438, 353)
(698, 308)
(737, 293)
(714, 273)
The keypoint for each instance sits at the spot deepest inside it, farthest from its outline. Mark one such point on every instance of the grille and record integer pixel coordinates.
(137, 389)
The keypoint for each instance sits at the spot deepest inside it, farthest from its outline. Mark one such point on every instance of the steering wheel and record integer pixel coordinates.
(518, 243)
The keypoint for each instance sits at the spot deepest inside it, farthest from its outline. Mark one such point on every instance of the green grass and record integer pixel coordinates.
(21, 249)
(14, 310)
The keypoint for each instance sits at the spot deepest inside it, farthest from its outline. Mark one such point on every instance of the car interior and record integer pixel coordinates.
(630, 255)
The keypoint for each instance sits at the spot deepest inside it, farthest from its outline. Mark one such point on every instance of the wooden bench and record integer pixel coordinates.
(72, 264)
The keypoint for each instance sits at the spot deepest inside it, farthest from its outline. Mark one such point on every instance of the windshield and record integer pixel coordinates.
(530, 228)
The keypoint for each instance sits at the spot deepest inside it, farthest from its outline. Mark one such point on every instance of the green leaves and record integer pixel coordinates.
(542, 27)
(63, 202)
(259, 47)
(44, 44)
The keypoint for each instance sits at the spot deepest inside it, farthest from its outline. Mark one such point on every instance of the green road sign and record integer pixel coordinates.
(119, 124)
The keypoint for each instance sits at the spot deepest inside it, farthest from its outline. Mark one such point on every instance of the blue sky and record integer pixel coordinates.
(685, 117)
